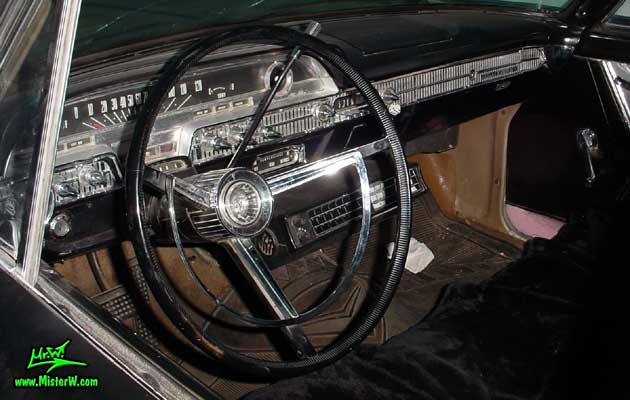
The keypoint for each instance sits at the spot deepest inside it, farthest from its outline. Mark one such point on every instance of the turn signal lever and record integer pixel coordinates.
(588, 144)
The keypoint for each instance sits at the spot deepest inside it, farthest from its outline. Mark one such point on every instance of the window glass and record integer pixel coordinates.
(622, 15)
(26, 49)
(108, 24)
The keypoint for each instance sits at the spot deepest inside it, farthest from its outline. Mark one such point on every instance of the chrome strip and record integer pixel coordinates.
(255, 269)
(50, 131)
(408, 89)
(298, 176)
(135, 364)
(621, 95)
(7, 260)
(440, 81)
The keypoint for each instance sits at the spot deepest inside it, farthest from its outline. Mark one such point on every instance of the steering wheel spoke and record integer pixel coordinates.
(196, 195)
(329, 166)
(259, 277)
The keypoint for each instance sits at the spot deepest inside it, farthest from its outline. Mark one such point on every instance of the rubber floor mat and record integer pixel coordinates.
(461, 253)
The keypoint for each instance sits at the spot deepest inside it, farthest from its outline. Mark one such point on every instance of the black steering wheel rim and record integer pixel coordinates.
(147, 259)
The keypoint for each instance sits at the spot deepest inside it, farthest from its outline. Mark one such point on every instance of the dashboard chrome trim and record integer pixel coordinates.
(182, 133)
(71, 176)
(397, 92)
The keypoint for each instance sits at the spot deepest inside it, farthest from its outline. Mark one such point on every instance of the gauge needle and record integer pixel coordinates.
(99, 124)
(88, 125)
(184, 102)
(169, 105)
(109, 119)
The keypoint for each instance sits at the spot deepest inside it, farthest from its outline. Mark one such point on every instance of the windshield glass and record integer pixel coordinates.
(26, 60)
(107, 24)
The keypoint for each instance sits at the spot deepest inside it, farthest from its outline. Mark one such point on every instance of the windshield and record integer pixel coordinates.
(105, 24)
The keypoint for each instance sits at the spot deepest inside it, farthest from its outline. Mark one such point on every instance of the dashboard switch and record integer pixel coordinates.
(65, 189)
(271, 134)
(324, 112)
(392, 100)
(59, 225)
(92, 176)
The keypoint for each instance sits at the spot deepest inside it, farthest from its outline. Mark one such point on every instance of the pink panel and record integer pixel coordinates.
(532, 224)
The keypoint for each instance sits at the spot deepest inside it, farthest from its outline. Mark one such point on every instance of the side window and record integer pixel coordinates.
(622, 15)
(27, 33)
(618, 73)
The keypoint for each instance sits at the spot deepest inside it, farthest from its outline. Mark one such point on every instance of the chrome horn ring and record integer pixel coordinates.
(245, 203)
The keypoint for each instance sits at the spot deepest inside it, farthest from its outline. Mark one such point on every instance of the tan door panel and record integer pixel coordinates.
(468, 182)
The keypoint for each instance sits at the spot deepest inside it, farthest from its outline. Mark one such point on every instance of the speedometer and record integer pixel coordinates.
(103, 111)
(207, 85)
(222, 95)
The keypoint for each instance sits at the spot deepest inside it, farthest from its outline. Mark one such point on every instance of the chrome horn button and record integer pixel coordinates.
(245, 202)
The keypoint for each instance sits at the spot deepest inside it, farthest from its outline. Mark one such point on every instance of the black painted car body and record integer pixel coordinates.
(39, 310)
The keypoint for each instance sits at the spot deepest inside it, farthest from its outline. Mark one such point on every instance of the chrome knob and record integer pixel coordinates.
(92, 176)
(65, 189)
(394, 109)
(392, 101)
(324, 112)
(97, 178)
(59, 226)
(270, 134)
(313, 28)
(219, 143)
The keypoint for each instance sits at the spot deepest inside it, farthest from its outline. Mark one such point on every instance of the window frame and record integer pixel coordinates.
(25, 261)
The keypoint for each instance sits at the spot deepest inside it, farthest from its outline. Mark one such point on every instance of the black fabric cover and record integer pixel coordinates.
(512, 337)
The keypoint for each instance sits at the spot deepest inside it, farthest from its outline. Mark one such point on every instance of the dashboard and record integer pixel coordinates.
(205, 114)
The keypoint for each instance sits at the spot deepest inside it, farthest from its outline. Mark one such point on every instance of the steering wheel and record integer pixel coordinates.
(242, 201)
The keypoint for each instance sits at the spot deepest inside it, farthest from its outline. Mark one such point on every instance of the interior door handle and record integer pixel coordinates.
(588, 143)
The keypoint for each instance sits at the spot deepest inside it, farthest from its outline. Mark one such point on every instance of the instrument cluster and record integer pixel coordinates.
(208, 109)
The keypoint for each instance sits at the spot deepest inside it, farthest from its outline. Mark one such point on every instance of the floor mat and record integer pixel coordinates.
(460, 254)
(505, 338)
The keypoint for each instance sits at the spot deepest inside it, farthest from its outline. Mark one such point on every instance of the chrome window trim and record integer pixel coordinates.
(48, 145)
(16, 37)
(134, 363)
(110, 344)
(621, 96)
(7, 260)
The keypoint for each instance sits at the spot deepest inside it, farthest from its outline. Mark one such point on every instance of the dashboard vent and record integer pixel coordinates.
(335, 213)
(206, 223)
(338, 212)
